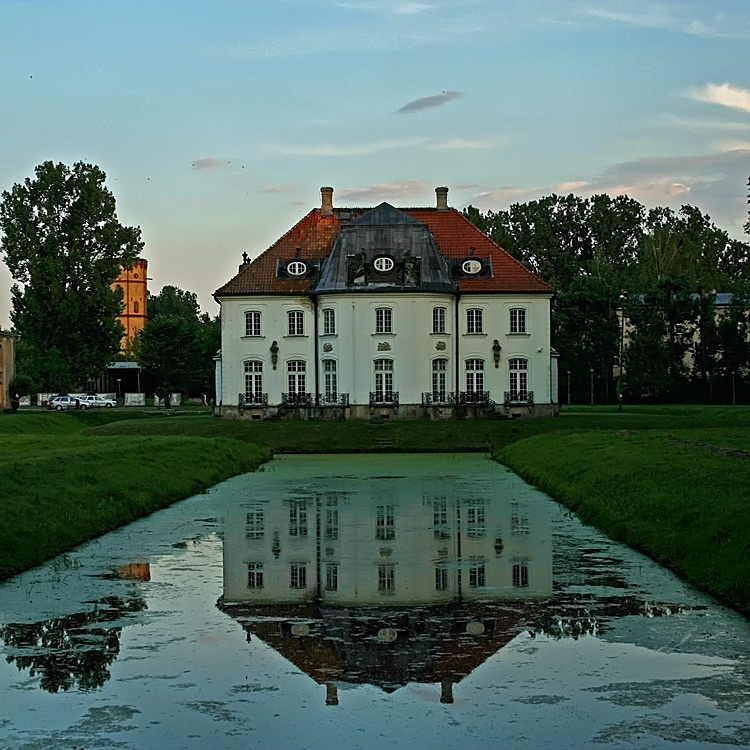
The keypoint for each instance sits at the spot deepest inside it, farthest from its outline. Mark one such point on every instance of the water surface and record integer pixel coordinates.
(367, 601)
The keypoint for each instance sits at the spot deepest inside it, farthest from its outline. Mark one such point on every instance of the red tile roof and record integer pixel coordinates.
(314, 235)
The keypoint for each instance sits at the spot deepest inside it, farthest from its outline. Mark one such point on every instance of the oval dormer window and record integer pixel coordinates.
(471, 266)
(383, 263)
(296, 268)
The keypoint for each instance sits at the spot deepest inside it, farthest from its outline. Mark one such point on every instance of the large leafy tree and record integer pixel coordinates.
(64, 246)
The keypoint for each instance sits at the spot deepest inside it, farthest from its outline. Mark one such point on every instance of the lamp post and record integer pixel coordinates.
(591, 372)
(568, 387)
(623, 297)
(119, 388)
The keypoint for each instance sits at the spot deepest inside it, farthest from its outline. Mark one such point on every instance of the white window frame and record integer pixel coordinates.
(518, 378)
(520, 574)
(332, 576)
(517, 320)
(298, 518)
(383, 320)
(383, 377)
(474, 369)
(255, 575)
(439, 378)
(254, 524)
(253, 323)
(439, 318)
(441, 577)
(296, 376)
(329, 321)
(387, 579)
(385, 523)
(253, 380)
(477, 574)
(298, 575)
(330, 379)
(295, 320)
(474, 321)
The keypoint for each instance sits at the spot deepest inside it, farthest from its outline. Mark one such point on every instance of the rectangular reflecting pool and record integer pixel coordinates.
(371, 601)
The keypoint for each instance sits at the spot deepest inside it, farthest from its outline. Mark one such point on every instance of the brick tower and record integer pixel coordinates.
(133, 282)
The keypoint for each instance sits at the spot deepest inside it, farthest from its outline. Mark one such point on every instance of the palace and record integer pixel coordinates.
(390, 313)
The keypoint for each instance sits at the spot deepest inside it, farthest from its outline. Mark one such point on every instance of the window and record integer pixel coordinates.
(330, 379)
(384, 320)
(519, 520)
(474, 375)
(475, 519)
(255, 575)
(295, 372)
(384, 525)
(329, 322)
(254, 526)
(519, 379)
(471, 266)
(332, 577)
(298, 518)
(383, 264)
(441, 578)
(383, 380)
(386, 579)
(477, 576)
(520, 574)
(474, 321)
(332, 518)
(439, 379)
(253, 382)
(298, 576)
(296, 268)
(440, 518)
(296, 323)
(135, 306)
(252, 323)
(518, 320)
(438, 320)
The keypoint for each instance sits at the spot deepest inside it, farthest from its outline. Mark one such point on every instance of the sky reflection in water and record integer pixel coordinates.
(386, 599)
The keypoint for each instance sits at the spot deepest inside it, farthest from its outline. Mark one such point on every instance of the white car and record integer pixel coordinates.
(89, 402)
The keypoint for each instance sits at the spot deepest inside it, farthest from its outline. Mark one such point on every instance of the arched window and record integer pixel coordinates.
(383, 320)
(474, 375)
(518, 320)
(330, 379)
(135, 306)
(474, 321)
(296, 371)
(518, 372)
(439, 379)
(253, 382)
(383, 380)
(252, 323)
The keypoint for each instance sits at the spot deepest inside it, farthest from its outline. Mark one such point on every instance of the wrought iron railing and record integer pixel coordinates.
(333, 399)
(519, 397)
(474, 398)
(438, 398)
(253, 399)
(297, 399)
(383, 398)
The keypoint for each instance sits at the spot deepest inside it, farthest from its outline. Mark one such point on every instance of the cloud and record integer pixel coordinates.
(724, 94)
(428, 102)
(464, 144)
(335, 149)
(392, 8)
(690, 124)
(280, 189)
(386, 191)
(211, 163)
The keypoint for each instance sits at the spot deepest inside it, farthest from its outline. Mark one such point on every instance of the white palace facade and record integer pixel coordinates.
(385, 313)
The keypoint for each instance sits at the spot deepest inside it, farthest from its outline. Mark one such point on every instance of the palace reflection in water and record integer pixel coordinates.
(418, 588)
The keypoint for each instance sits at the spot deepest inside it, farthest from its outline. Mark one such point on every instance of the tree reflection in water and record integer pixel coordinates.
(71, 651)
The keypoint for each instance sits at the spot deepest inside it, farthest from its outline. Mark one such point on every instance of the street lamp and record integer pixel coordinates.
(591, 371)
(119, 389)
(568, 387)
(623, 297)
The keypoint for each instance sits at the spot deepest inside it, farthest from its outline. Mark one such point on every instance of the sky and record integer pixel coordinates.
(217, 121)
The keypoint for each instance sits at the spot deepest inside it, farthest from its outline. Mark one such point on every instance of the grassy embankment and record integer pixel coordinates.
(671, 481)
(60, 487)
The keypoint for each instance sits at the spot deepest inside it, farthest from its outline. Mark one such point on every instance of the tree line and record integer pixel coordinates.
(664, 269)
(64, 246)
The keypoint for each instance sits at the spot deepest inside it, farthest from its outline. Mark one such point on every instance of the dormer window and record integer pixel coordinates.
(472, 266)
(296, 268)
(383, 264)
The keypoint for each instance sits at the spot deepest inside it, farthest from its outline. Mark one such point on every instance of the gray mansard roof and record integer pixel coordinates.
(384, 249)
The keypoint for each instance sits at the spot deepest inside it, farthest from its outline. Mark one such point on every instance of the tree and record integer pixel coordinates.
(64, 246)
(173, 301)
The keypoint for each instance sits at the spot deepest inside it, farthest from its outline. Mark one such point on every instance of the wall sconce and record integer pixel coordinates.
(274, 354)
(496, 352)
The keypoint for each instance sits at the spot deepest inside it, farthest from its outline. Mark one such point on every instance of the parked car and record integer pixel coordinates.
(88, 402)
(62, 402)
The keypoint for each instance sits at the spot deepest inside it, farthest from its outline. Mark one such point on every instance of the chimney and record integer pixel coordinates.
(446, 690)
(442, 198)
(332, 694)
(326, 205)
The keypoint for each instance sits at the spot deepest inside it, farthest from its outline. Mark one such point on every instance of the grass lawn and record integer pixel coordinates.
(672, 481)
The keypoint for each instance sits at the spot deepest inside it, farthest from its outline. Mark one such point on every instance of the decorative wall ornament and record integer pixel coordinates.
(384, 346)
(440, 346)
(274, 353)
(496, 352)
(328, 347)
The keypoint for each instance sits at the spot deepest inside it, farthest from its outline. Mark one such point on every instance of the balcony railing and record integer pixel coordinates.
(333, 399)
(474, 398)
(297, 399)
(253, 399)
(438, 398)
(519, 397)
(383, 398)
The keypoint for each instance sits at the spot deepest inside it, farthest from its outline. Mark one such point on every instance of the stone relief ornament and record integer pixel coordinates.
(440, 346)
(328, 347)
(384, 346)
